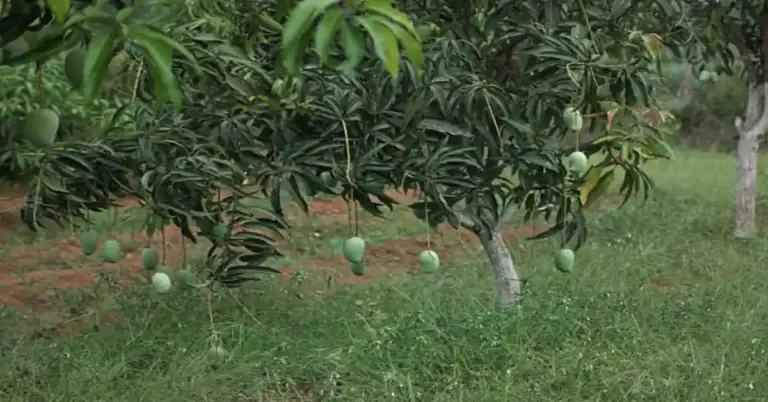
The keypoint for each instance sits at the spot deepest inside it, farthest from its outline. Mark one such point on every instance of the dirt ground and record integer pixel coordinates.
(35, 291)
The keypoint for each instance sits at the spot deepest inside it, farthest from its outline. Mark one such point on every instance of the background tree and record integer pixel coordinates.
(733, 34)
(474, 116)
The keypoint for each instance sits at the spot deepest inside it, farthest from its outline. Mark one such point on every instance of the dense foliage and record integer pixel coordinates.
(477, 123)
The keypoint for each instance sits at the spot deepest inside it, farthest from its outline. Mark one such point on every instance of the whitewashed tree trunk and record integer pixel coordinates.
(504, 272)
(750, 131)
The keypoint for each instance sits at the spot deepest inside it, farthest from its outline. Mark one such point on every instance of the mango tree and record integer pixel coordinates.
(478, 126)
(473, 115)
(734, 32)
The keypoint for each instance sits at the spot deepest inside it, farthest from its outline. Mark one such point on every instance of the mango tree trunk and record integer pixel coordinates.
(504, 273)
(750, 131)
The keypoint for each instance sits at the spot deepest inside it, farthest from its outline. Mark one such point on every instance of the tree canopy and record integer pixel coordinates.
(315, 97)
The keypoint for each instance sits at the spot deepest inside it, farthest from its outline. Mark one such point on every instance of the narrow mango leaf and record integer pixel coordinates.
(444, 127)
(625, 151)
(45, 50)
(160, 60)
(608, 138)
(269, 23)
(326, 31)
(96, 63)
(353, 42)
(239, 85)
(301, 19)
(293, 55)
(156, 81)
(599, 189)
(125, 15)
(385, 9)
(653, 44)
(590, 181)
(410, 44)
(150, 32)
(384, 43)
(60, 9)
(661, 148)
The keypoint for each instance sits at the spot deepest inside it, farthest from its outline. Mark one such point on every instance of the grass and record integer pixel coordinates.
(609, 331)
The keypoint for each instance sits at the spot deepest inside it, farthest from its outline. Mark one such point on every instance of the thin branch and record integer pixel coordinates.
(467, 223)
(506, 214)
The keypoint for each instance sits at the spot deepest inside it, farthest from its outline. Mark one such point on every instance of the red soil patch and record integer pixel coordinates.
(11, 200)
(36, 291)
(401, 256)
(22, 288)
(336, 209)
(669, 284)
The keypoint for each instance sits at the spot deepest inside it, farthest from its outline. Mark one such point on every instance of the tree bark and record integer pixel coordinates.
(686, 90)
(745, 198)
(504, 272)
(750, 131)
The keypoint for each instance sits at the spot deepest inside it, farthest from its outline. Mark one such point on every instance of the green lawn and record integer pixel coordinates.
(662, 306)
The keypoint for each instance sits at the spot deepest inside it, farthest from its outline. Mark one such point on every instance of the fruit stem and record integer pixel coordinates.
(349, 213)
(357, 220)
(136, 81)
(426, 216)
(564, 206)
(183, 252)
(39, 67)
(38, 185)
(162, 236)
(348, 151)
(71, 224)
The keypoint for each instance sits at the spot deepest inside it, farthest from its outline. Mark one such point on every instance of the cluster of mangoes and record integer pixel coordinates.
(354, 249)
(150, 261)
(577, 164)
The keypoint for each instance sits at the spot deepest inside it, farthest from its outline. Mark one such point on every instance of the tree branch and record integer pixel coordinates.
(760, 124)
(467, 223)
(506, 214)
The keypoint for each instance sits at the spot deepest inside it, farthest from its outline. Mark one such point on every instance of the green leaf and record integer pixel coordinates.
(269, 23)
(661, 148)
(12, 28)
(384, 43)
(409, 42)
(598, 189)
(292, 56)
(96, 63)
(60, 9)
(353, 42)
(149, 32)
(326, 31)
(444, 127)
(126, 14)
(160, 60)
(44, 51)
(301, 19)
(239, 85)
(653, 43)
(385, 8)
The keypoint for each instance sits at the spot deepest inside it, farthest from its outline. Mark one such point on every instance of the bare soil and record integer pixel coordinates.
(36, 292)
